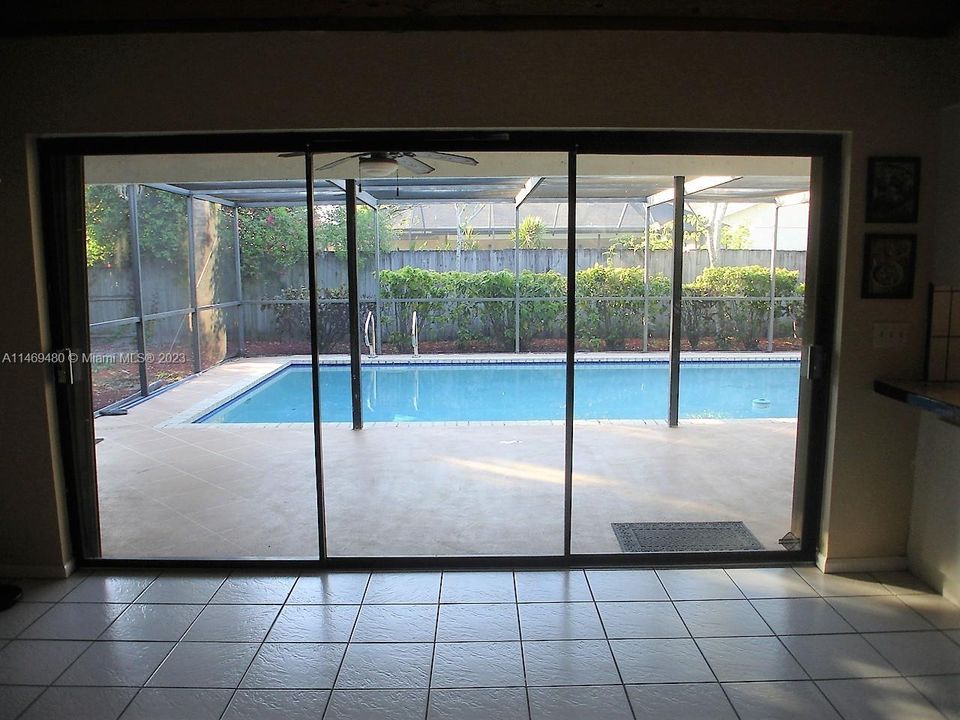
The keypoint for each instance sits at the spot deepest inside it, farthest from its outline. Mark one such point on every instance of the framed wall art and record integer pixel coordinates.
(889, 261)
(893, 189)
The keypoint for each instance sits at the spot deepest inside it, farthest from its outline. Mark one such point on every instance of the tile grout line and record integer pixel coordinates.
(433, 648)
(903, 675)
(523, 659)
(818, 684)
(253, 657)
(182, 635)
(59, 675)
(673, 603)
(869, 597)
(782, 643)
(32, 622)
(346, 647)
(516, 603)
(603, 628)
(90, 643)
(926, 697)
(175, 643)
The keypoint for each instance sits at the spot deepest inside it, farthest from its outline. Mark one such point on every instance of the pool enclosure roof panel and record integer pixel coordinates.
(751, 190)
(404, 190)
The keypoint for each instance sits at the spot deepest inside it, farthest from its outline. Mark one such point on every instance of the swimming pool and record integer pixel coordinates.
(449, 392)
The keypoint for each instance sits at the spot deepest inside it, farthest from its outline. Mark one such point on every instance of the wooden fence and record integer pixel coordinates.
(166, 287)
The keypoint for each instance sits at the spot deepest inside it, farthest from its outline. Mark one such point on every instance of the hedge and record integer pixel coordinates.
(739, 322)
(609, 305)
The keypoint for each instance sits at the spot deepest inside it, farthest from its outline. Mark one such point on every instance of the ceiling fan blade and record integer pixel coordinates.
(337, 162)
(414, 165)
(290, 155)
(448, 157)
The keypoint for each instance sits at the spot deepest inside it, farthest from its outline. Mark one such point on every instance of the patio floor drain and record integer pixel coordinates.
(685, 537)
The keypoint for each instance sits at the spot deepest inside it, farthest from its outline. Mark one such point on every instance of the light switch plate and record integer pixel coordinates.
(890, 334)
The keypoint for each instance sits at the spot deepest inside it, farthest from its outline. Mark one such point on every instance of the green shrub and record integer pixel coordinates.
(694, 320)
(740, 321)
(603, 310)
(162, 218)
(542, 317)
(292, 319)
(532, 230)
(609, 305)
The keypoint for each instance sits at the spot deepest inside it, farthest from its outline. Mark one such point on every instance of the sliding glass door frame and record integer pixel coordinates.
(62, 207)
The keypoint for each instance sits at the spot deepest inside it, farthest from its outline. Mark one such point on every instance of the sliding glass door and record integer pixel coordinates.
(455, 446)
(623, 452)
(742, 332)
(690, 317)
(459, 352)
(198, 314)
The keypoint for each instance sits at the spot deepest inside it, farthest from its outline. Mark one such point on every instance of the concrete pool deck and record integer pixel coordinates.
(171, 488)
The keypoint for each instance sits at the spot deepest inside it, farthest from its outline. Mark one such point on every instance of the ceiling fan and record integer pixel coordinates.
(383, 164)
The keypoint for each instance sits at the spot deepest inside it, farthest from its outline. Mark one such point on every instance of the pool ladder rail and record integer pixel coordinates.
(370, 333)
(415, 335)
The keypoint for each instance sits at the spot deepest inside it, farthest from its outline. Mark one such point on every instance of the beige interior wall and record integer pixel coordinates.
(883, 93)
(934, 541)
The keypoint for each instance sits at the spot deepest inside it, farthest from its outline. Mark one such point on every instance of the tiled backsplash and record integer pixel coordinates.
(943, 344)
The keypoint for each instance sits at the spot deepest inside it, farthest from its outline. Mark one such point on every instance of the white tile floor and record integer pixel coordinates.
(747, 644)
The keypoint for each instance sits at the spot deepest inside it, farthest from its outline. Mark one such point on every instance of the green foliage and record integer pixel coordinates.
(543, 317)
(292, 319)
(107, 225)
(163, 225)
(741, 321)
(696, 234)
(280, 234)
(693, 319)
(162, 220)
(268, 236)
(635, 243)
(468, 238)
(331, 230)
(610, 303)
(604, 322)
(272, 236)
(532, 232)
(730, 303)
(471, 312)
(735, 237)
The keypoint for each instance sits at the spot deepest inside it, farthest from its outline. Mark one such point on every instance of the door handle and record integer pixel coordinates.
(65, 360)
(814, 365)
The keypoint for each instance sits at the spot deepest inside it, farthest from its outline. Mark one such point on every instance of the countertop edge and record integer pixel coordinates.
(932, 397)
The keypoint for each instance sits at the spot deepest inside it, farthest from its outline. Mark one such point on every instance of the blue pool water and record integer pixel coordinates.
(520, 391)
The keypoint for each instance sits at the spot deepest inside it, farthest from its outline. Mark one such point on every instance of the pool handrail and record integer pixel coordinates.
(369, 324)
(415, 335)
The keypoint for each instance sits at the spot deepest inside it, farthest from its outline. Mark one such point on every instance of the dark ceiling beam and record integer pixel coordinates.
(921, 18)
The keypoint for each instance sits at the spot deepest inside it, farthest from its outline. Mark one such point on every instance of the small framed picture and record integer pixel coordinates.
(888, 265)
(893, 189)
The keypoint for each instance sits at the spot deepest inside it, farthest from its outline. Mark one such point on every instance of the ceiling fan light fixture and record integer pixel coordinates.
(378, 166)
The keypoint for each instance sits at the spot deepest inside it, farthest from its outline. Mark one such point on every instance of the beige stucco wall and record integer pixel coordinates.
(884, 93)
(934, 541)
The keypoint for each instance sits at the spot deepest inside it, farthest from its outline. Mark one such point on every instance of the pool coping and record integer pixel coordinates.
(192, 415)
